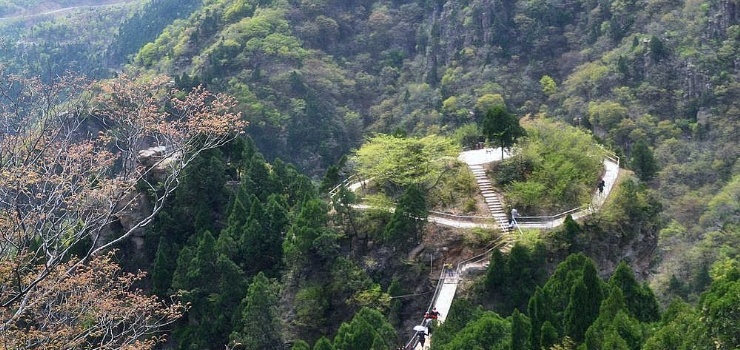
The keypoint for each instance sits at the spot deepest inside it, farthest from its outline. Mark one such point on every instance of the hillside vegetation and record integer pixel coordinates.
(263, 258)
(654, 80)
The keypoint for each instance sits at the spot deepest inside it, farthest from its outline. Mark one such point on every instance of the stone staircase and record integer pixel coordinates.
(493, 200)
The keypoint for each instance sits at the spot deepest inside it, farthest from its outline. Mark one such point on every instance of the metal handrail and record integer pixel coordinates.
(494, 245)
(414, 340)
(547, 218)
(336, 188)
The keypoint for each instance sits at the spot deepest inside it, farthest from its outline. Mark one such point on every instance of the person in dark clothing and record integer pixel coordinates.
(600, 186)
(422, 338)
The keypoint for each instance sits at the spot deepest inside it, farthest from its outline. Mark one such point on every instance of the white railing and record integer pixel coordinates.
(414, 340)
(333, 192)
(548, 220)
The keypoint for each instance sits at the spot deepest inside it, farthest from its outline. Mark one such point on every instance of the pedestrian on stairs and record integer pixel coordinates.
(600, 186)
(514, 216)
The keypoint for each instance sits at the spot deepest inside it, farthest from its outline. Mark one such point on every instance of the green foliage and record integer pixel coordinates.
(323, 344)
(405, 161)
(468, 135)
(367, 330)
(639, 300)
(309, 225)
(408, 218)
(643, 162)
(555, 169)
(213, 286)
(678, 323)
(569, 302)
(635, 210)
(548, 85)
(300, 345)
(462, 312)
(520, 329)
(720, 310)
(614, 328)
(501, 126)
(262, 328)
(585, 300)
(311, 305)
(513, 278)
(395, 289)
(489, 331)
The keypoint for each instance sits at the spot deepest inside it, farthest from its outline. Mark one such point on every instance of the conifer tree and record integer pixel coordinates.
(308, 225)
(213, 286)
(394, 310)
(538, 310)
(261, 326)
(408, 218)
(165, 264)
(367, 330)
(548, 335)
(614, 328)
(300, 345)
(585, 300)
(520, 329)
(639, 299)
(643, 162)
(323, 344)
(496, 272)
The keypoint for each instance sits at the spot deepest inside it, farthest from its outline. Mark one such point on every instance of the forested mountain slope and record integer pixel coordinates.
(261, 260)
(655, 80)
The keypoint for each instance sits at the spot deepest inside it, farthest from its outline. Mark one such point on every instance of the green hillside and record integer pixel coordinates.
(263, 257)
(643, 76)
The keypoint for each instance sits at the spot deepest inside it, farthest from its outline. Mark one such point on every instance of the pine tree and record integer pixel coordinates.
(165, 264)
(640, 300)
(394, 310)
(300, 345)
(614, 328)
(367, 330)
(408, 218)
(548, 335)
(538, 310)
(643, 162)
(570, 233)
(261, 325)
(323, 344)
(585, 300)
(496, 273)
(520, 329)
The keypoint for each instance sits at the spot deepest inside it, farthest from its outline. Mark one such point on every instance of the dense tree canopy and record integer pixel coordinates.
(405, 161)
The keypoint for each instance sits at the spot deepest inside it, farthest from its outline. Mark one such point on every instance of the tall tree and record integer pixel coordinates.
(367, 330)
(501, 126)
(261, 324)
(76, 156)
(643, 162)
(639, 299)
(405, 161)
(585, 300)
(409, 217)
(614, 328)
(520, 329)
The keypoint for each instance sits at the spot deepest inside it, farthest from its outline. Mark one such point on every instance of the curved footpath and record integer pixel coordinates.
(449, 280)
(481, 157)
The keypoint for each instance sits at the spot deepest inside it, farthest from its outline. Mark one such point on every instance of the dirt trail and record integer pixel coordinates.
(27, 15)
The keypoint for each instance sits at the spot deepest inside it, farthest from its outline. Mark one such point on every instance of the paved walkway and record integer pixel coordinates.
(475, 160)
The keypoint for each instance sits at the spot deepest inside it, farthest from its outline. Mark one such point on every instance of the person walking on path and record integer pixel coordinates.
(600, 186)
(422, 338)
(514, 216)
